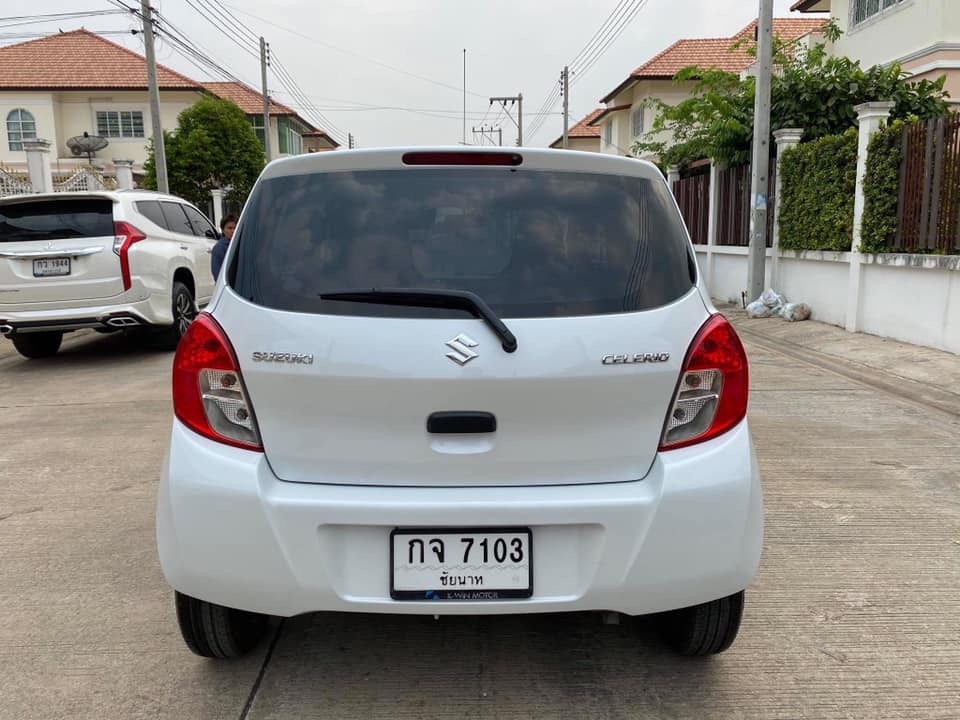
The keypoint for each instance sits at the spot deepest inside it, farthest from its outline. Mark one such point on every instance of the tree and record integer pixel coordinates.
(812, 91)
(214, 146)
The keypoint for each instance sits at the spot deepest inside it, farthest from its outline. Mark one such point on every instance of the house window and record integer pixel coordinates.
(608, 132)
(20, 126)
(120, 123)
(290, 137)
(636, 122)
(863, 10)
(257, 122)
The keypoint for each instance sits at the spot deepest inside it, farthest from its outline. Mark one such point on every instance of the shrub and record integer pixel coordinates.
(881, 190)
(818, 183)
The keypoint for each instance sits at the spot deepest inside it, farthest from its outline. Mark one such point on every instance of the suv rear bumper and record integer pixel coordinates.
(231, 533)
(153, 310)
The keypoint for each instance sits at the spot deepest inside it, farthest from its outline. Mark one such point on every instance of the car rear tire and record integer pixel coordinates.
(184, 311)
(704, 629)
(215, 631)
(38, 345)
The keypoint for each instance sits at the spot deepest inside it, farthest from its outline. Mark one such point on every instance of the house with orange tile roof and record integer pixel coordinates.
(628, 112)
(77, 82)
(922, 35)
(582, 136)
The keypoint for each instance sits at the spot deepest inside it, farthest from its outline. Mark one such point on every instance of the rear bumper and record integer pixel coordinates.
(229, 532)
(151, 310)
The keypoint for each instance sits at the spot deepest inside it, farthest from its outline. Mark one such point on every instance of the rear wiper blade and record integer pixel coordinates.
(416, 297)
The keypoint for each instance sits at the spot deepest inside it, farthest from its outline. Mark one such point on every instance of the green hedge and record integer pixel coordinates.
(881, 188)
(818, 184)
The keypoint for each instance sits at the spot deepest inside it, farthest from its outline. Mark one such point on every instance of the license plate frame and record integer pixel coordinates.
(465, 593)
(52, 267)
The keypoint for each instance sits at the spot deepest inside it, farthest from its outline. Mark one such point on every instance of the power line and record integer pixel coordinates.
(217, 7)
(18, 20)
(213, 20)
(617, 22)
(283, 75)
(355, 54)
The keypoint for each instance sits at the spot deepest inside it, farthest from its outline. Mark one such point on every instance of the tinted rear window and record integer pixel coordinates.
(55, 220)
(531, 243)
(150, 209)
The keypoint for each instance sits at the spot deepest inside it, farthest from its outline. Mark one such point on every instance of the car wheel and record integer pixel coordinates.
(184, 311)
(704, 629)
(215, 631)
(38, 345)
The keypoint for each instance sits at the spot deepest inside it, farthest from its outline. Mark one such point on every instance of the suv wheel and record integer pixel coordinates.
(184, 311)
(215, 631)
(704, 629)
(37, 345)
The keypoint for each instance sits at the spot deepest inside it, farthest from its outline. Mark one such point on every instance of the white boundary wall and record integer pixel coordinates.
(912, 298)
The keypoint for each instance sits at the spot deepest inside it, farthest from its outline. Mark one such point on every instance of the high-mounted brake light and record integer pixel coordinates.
(208, 392)
(503, 159)
(711, 397)
(125, 235)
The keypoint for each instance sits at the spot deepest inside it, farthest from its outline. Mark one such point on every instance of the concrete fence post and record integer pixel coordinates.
(870, 116)
(38, 165)
(713, 221)
(785, 139)
(217, 196)
(673, 176)
(124, 172)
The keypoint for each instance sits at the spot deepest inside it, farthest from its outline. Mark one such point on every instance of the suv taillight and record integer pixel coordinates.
(208, 392)
(711, 397)
(125, 235)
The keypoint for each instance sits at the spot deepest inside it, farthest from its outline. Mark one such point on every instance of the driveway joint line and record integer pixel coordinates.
(263, 669)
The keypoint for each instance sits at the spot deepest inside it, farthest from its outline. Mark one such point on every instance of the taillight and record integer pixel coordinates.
(453, 157)
(208, 392)
(711, 397)
(125, 235)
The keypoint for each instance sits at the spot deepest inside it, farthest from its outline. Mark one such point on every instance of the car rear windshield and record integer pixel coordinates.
(56, 219)
(530, 243)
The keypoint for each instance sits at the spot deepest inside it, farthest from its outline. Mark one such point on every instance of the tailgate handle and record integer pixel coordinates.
(460, 423)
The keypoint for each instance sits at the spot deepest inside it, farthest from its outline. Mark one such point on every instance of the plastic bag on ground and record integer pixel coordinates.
(757, 309)
(795, 312)
(771, 298)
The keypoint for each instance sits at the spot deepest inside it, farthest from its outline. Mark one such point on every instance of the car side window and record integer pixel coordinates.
(202, 227)
(176, 218)
(150, 209)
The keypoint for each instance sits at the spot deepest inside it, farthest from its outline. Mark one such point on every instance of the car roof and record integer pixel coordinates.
(392, 158)
(113, 195)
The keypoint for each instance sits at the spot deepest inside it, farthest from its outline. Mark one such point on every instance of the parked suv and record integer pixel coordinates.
(452, 382)
(104, 260)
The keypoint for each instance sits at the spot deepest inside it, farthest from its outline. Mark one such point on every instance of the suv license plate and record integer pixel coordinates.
(465, 565)
(47, 267)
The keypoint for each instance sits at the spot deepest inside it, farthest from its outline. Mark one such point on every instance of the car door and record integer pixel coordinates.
(192, 246)
(207, 236)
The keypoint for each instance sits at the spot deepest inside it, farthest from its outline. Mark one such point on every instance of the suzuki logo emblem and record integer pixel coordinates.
(461, 353)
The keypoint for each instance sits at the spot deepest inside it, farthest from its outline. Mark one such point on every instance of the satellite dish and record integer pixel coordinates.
(86, 144)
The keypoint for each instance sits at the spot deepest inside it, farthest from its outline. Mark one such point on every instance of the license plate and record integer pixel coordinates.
(451, 564)
(51, 266)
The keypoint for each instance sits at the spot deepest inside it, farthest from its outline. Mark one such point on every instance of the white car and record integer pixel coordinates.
(450, 382)
(104, 260)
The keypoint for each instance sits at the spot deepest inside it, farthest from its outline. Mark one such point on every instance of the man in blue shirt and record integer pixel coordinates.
(227, 227)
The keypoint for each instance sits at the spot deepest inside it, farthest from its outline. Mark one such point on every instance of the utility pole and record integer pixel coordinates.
(518, 100)
(565, 91)
(464, 96)
(350, 144)
(484, 130)
(264, 62)
(759, 188)
(159, 153)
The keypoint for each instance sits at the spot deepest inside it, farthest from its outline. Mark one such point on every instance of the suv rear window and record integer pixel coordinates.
(530, 243)
(55, 219)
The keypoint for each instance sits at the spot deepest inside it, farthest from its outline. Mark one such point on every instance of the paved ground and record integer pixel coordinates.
(855, 614)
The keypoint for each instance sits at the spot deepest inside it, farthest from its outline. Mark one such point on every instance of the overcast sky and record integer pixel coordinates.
(336, 52)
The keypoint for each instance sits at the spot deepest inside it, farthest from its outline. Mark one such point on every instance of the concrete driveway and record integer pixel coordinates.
(855, 614)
